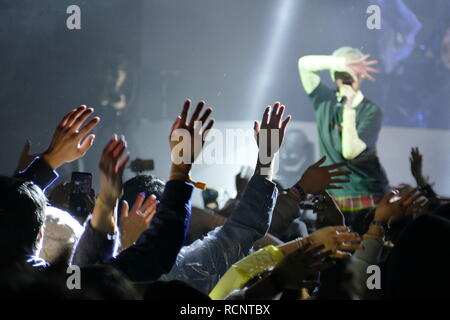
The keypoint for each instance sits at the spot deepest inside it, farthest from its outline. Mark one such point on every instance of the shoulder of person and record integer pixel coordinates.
(371, 107)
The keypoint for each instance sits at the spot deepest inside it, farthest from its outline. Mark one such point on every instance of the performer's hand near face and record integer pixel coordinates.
(361, 68)
(357, 70)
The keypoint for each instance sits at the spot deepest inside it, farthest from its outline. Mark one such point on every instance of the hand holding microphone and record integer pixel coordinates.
(346, 94)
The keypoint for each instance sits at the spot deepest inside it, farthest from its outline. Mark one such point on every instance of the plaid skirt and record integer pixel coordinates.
(351, 204)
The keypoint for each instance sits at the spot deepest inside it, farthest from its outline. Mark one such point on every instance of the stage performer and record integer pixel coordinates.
(348, 125)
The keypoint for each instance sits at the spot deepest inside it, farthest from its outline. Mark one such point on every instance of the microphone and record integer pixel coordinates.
(341, 100)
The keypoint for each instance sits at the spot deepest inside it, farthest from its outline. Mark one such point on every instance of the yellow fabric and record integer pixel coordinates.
(245, 269)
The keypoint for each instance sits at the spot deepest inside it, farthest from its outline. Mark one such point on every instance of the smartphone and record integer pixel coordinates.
(81, 187)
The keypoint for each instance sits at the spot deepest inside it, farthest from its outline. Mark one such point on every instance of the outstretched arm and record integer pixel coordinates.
(203, 262)
(416, 167)
(386, 213)
(98, 241)
(66, 146)
(156, 250)
(290, 274)
(336, 240)
(39, 172)
(310, 66)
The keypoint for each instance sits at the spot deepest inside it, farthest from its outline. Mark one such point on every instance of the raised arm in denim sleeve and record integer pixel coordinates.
(39, 172)
(204, 262)
(155, 251)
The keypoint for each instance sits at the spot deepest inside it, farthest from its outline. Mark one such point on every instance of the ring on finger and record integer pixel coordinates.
(139, 213)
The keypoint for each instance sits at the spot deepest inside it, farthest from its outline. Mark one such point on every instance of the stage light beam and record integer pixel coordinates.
(279, 24)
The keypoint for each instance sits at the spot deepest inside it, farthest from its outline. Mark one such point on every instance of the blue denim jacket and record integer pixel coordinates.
(205, 261)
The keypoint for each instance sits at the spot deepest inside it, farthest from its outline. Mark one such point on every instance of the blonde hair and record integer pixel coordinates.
(346, 52)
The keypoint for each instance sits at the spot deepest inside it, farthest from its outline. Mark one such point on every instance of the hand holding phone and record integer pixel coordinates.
(81, 189)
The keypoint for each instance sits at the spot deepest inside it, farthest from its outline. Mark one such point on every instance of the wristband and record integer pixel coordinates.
(294, 192)
(300, 190)
(197, 184)
(297, 192)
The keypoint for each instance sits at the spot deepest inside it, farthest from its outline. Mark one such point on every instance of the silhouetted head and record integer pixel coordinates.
(147, 184)
(22, 216)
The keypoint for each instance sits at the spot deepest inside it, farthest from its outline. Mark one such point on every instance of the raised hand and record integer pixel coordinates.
(362, 67)
(389, 211)
(317, 179)
(241, 181)
(135, 221)
(111, 170)
(295, 268)
(193, 135)
(272, 124)
(67, 144)
(415, 161)
(337, 239)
